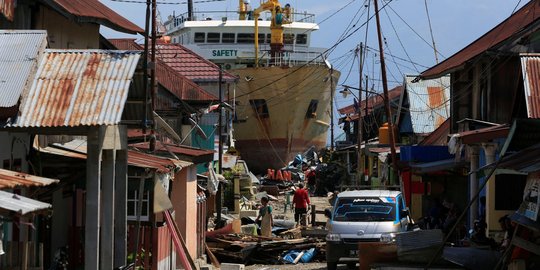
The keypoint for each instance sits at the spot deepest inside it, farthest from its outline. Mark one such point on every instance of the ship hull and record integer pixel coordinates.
(281, 112)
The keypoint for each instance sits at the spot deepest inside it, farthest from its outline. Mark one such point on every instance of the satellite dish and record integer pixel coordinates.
(197, 128)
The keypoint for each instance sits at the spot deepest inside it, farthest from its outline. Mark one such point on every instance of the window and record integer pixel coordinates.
(227, 37)
(365, 209)
(245, 38)
(301, 39)
(132, 205)
(199, 37)
(268, 38)
(261, 38)
(312, 109)
(509, 191)
(260, 108)
(213, 38)
(288, 38)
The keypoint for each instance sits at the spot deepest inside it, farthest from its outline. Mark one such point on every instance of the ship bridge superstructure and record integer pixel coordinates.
(224, 39)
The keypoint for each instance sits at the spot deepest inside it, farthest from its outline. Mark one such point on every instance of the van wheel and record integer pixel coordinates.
(331, 265)
(352, 266)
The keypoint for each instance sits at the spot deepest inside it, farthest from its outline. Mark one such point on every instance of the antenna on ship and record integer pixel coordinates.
(190, 10)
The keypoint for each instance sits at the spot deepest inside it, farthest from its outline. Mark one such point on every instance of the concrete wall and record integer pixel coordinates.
(66, 34)
(184, 200)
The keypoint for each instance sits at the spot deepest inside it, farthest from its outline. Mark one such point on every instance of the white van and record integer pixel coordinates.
(363, 216)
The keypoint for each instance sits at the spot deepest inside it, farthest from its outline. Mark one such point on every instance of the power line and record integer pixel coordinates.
(165, 3)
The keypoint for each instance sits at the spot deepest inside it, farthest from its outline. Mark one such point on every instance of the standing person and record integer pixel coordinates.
(265, 215)
(300, 202)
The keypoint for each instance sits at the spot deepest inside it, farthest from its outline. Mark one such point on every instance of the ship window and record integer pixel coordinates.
(261, 38)
(312, 109)
(245, 38)
(288, 38)
(227, 38)
(301, 39)
(268, 38)
(212, 38)
(199, 37)
(260, 108)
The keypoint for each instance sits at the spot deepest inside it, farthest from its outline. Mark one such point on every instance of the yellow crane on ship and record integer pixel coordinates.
(280, 16)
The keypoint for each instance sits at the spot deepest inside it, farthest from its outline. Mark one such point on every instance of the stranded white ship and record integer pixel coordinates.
(283, 99)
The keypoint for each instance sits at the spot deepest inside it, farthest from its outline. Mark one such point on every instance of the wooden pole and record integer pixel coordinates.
(220, 150)
(385, 89)
(360, 120)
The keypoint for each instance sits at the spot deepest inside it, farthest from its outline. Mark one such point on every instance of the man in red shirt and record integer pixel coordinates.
(300, 202)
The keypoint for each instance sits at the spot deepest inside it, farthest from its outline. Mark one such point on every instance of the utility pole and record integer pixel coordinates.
(332, 108)
(220, 145)
(359, 111)
(385, 89)
(366, 160)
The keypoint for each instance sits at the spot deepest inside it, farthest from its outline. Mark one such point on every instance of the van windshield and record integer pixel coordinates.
(365, 209)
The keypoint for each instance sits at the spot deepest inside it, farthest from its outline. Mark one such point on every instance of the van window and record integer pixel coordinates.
(365, 209)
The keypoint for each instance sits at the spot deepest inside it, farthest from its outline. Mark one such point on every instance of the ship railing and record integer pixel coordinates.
(174, 21)
(293, 58)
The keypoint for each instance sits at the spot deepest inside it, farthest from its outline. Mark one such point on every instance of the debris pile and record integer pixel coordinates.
(249, 249)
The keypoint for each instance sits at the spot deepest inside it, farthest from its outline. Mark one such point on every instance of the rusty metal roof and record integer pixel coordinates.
(171, 79)
(177, 149)
(514, 24)
(84, 11)
(530, 65)
(373, 102)
(78, 87)
(11, 179)
(429, 103)
(439, 136)
(77, 149)
(20, 204)
(190, 64)
(19, 54)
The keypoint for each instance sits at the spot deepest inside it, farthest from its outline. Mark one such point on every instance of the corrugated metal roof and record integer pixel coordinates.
(429, 103)
(20, 204)
(11, 179)
(19, 53)
(373, 102)
(520, 20)
(171, 79)
(94, 11)
(190, 64)
(78, 87)
(78, 148)
(177, 149)
(530, 65)
(439, 136)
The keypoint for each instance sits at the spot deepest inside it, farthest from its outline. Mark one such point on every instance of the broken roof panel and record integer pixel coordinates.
(19, 54)
(429, 103)
(78, 88)
(11, 179)
(20, 204)
(520, 20)
(96, 12)
(530, 64)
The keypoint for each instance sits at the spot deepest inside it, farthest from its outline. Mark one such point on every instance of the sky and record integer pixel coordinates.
(404, 24)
